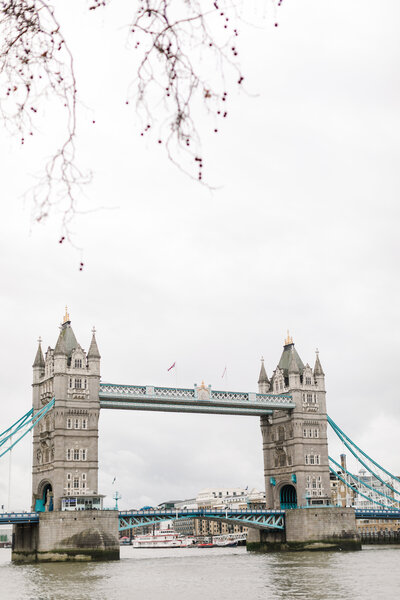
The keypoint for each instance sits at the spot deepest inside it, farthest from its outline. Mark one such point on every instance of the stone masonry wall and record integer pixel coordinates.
(325, 523)
(91, 532)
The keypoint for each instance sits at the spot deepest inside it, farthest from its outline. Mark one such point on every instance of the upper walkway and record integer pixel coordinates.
(196, 400)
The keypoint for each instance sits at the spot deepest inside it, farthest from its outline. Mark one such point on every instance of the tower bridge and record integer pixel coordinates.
(67, 398)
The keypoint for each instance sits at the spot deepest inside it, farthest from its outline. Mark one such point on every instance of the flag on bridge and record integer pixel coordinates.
(172, 366)
(114, 480)
(224, 373)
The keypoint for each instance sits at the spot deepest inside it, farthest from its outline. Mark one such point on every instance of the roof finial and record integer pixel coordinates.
(40, 339)
(66, 316)
(316, 351)
(94, 330)
(289, 339)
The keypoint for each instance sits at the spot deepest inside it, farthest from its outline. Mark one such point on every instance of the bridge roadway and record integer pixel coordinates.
(191, 400)
(260, 519)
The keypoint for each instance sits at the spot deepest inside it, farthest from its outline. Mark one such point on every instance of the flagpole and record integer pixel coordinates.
(225, 375)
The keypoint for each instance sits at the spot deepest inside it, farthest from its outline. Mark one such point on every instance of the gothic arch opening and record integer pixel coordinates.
(288, 497)
(45, 500)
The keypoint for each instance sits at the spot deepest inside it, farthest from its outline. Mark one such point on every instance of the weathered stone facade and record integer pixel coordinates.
(312, 528)
(65, 443)
(64, 536)
(296, 466)
(295, 443)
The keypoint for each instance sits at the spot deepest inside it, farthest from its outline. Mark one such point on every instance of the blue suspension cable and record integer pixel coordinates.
(34, 421)
(24, 422)
(362, 482)
(361, 494)
(23, 419)
(362, 452)
(343, 438)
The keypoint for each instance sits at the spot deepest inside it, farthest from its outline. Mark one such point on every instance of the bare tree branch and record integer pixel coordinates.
(36, 64)
(187, 60)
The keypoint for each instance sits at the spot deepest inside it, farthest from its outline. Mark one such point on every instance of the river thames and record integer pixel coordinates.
(213, 574)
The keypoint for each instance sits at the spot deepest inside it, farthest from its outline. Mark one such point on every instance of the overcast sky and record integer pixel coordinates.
(301, 233)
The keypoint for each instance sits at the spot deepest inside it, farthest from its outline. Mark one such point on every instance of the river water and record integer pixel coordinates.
(210, 574)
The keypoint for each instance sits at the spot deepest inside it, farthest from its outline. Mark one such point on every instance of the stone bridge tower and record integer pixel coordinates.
(65, 443)
(295, 443)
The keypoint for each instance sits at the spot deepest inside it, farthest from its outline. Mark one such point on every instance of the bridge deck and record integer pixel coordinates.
(257, 517)
(196, 400)
(24, 517)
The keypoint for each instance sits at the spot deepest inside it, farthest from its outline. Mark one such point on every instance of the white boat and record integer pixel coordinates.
(167, 538)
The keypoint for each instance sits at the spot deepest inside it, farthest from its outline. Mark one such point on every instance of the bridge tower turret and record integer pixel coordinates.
(65, 443)
(263, 381)
(295, 443)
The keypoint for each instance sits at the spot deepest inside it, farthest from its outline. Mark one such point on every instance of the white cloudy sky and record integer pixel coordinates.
(300, 233)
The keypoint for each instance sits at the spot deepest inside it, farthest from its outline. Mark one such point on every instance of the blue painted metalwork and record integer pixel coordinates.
(15, 427)
(362, 482)
(272, 480)
(28, 421)
(366, 513)
(260, 519)
(198, 400)
(293, 478)
(358, 492)
(25, 517)
(271, 519)
(347, 441)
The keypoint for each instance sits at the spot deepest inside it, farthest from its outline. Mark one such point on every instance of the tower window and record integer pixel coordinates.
(76, 483)
(76, 454)
(69, 423)
(78, 363)
(69, 454)
(312, 459)
(83, 454)
(78, 383)
(308, 380)
(84, 423)
(76, 424)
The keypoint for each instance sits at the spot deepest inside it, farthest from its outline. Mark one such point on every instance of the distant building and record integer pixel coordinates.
(363, 491)
(5, 536)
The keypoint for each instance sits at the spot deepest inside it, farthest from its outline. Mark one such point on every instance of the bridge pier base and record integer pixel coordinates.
(311, 528)
(62, 536)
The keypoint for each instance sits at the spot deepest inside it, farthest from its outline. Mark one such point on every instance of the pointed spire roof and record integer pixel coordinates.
(290, 353)
(318, 367)
(293, 366)
(93, 350)
(66, 340)
(263, 378)
(39, 359)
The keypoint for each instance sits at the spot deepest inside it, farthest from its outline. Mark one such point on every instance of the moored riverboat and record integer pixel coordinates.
(167, 538)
